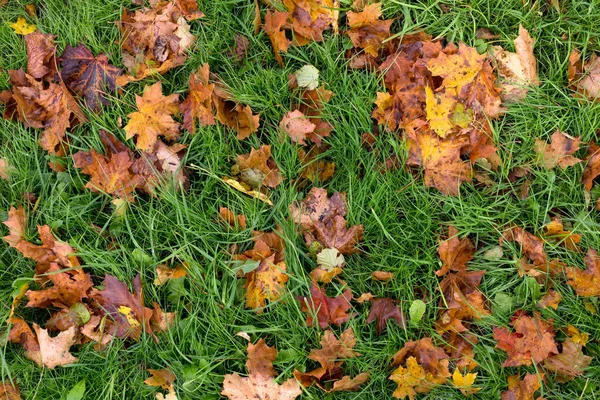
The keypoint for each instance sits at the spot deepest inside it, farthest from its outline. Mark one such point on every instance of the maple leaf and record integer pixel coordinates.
(584, 77)
(232, 219)
(87, 75)
(315, 169)
(550, 299)
(236, 116)
(328, 310)
(330, 264)
(570, 363)
(455, 253)
(266, 244)
(309, 19)
(127, 316)
(274, 22)
(16, 224)
(41, 55)
(164, 379)
(383, 310)
(592, 169)
(311, 105)
(258, 168)
(164, 273)
(522, 389)
(8, 391)
(197, 106)
(331, 356)
(531, 245)
(586, 282)
(556, 231)
(297, 126)
(531, 342)
(464, 382)
(5, 168)
(382, 276)
(459, 346)
(267, 282)
(259, 384)
(69, 287)
(366, 30)
(518, 70)
(322, 220)
(559, 152)
(154, 40)
(42, 349)
(22, 27)
(153, 118)
(458, 70)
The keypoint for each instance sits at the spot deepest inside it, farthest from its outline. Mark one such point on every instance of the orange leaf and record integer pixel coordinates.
(559, 152)
(587, 282)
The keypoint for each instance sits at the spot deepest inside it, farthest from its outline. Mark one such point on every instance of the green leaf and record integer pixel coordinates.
(77, 392)
(141, 257)
(504, 302)
(308, 77)
(416, 311)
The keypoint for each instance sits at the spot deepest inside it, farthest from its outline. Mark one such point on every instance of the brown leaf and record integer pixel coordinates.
(311, 105)
(366, 30)
(382, 276)
(592, 168)
(161, 321)
(259, 384)
(550, 299)
(328, 310)
(555, 231)
(455, 253)
(239, 51)
(531, 342)
(297, 126)
(88, 76)
(236, 116)
(164, 273)
(522, 389)
(16, 224)
(70, 286)
(232, 219)
(258, 168)
(160, 378)
(274, 22)
(153, 118)
(531, 245)
(559, 152)
(518, 70)
(309, 19)
(322, 220)
(5, 168)
(315, 168)
(8, 391)
(570, 363)
(584, 76)
(586, 282)
(41, 55)
(384, 310)
(198, 106)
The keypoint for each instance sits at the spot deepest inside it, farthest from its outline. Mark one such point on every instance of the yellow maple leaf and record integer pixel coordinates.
(458, 70)
(127, 312)
(407, 378)
(439, 107)
(265, 283)
(245, 189)
(577, 336)
(22, 27)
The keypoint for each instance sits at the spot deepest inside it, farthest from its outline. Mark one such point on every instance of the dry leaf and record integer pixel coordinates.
(522, 389)
(198, 104)
(22, 27)
(367, 31)
(258, 168)
(382, 276)
(328, 310)
(164, 273)
(559, 152)
(383, 310)
(455, 253)
(586, 282)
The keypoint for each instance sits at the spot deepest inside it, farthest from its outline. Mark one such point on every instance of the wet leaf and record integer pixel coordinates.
(383, 310)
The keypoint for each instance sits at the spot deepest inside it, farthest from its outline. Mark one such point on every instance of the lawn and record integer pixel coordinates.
(404, 221)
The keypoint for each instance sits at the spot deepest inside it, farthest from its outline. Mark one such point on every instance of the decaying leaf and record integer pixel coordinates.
(154, 117)
(522, 389)
(274, 28)
(367, 31)
(155, 40)
(164, 379)
(16, 224)
(327, 310)
(297, 126)
(315, 168)
(584, 77)
(420, 367)
(550, 299)
(233, 114)
(382, 276)
(87, 75)
(198, 104)
(518, 70)
(265, 283)
(455, 253)
(559, 152)
(331, 356)
(592, 169)
(322, 220)
(330, 263)
(307, 77)
(8, 391)
(576, 336)
(531, 342)
(586, 282)
(555, 231)
(41, 55)
(465, 382)
(232, 219)
(384, 310)
(531, 245)
(69, 287)
(259, 384)
(309, 108)
(570, 363)
(258, 168)
(164, 273)
(234, 183)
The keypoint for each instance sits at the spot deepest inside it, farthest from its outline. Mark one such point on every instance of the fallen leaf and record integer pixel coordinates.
(236, 116)
(8, 391)
(41, 55)
(16, 224)
(555, 231)
(586, 282)
(273, 27)
(307, 77)
(592, 168)
(570, 363)
(69, 287)
(584, 76)
(164, 379)
(330, 263)
(258, 168)
(383, 310)
(247, 190)
(531, 342)
(382, 276)
(559, 152)
(464, 382)
(550, 299)
(5, 169)
(531, 245)
(259, 384)
(89, 76)
(164, 273)
(22, 27)
(522, 389)
(322, 220)
(367, 31)
(233, 220)
(518, 70)
(455, 253)
(328, 310)
(198, 106)
(576, 336)
(154, 117)
(265, 283)
(297, 126)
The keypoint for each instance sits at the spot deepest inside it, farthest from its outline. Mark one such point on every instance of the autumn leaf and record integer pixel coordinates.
(550, 299)
(584, 76)
(259, 384)
(330, 263)
(40, 347)
(164, 273)
(311, 105)
(459, 346)
(164, 379)
(16, 224)
(88, 76)
(154, 117)
(297, 126)
(455, 253)
(576, 336)
(41, 55)
(518, 70)
(586, 282)
(233, 114)
(531, 342)
(265, 283)
(322, 220)
(367, 31)
(522, 389)
(531, 245)
(382, 276)
(384, 310)
(244, 188)
(198, 106)
(464, 382)
(328, 310)
(559, 152)
(570, 363)
(233, 220)
(309, 19)
(273, 27)
(22, 27)
(555, 231)
(8, 391)
(315, 168)
(592, 168)
(258, 168)
(5, 169)
(69, 287)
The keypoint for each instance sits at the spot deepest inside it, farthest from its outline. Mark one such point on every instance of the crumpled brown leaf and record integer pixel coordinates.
(9, 391)
(198, 105)
(559, 152)
(367, 31)
(455, 253)
(258, 168)
(522, 389)
(584, 77)
(570, 363)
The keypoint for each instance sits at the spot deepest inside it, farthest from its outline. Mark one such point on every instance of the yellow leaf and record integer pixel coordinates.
(22, 27)
(439, 107)
(126, 311)
(463, 381)
(577, 336)
(267, 282)
(238, 186)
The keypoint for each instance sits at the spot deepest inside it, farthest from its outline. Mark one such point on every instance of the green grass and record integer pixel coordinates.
(403, 220)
